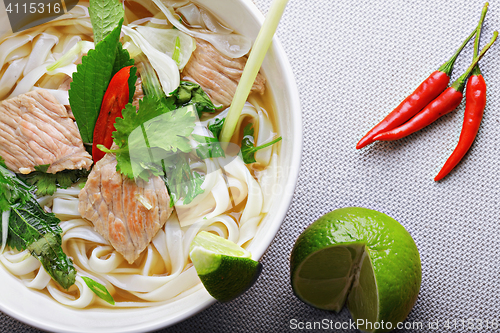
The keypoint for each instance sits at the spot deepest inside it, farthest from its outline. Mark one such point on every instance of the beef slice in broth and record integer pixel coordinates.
(35, 129)
(125, 212)
(217, 74)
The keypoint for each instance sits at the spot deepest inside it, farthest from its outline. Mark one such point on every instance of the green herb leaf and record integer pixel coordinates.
(104, 16)
(11, 189)
(123, 60)
(131, 83)
(247, 145)
(90, 82)
(215, 126)
(148, 135)
(30, 227)
(47, 183)
(190, 93)
(181, 181)
(99, 290)
(208, 148)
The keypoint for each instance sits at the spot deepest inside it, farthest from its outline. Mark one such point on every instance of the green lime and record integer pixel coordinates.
(363, 256)
(225, 269)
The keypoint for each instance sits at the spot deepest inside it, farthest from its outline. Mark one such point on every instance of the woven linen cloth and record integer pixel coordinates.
(354, 61)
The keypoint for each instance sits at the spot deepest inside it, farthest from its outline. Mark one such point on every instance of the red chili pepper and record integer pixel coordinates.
(445, 103)
(475, 97)
(428, 90)
(113, 102)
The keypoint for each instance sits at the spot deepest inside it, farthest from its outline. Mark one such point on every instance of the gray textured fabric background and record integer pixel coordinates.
(354, 61)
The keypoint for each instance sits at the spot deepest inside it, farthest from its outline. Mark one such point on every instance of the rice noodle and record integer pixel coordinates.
(41, 50)
(11, 75)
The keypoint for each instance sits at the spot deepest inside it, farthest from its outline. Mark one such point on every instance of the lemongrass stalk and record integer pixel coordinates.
(252, 67)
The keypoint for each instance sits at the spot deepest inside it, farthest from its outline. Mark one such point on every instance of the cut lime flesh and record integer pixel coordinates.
(363, 297)
(325, 277)
(219, 245)
(225, 269)
(359, 254)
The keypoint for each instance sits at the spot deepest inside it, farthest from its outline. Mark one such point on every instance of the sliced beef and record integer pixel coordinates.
(125, 212)
(35, 129)
(217, 74)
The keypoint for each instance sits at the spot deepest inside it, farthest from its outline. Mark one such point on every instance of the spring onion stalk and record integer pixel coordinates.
(70, 56)
(177, 51)
(252, 67)
(5, 229)
(150, 82)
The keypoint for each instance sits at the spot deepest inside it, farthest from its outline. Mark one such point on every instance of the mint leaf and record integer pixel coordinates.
(99, 290)
(90, 82)
(11, 189)
(47, 183)
(105, 15)
(30, 227)
(247, 145)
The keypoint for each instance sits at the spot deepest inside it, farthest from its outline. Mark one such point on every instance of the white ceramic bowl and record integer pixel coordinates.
(37, 310)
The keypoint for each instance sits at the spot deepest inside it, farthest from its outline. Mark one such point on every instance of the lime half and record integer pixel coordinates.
(362, 256)
(225, 269)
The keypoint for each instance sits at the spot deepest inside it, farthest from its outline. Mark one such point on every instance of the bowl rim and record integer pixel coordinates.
(286, 199)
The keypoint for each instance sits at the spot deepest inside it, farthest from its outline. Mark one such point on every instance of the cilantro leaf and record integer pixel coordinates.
(190, 93)
(181, 181)
(155, 140)
(215, 126)
(208, 148)
(99, 290)
(248, 149)
(90, 82)
(47, 183)
(151, 133)
(30, 227)
(104, 16)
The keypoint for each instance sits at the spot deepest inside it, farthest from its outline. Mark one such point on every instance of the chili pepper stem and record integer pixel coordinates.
(447, 67)
(459, 84)
(476, 70)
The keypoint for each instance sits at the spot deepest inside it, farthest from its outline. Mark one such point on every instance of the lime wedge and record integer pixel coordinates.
(363, 256)
(225, 269)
